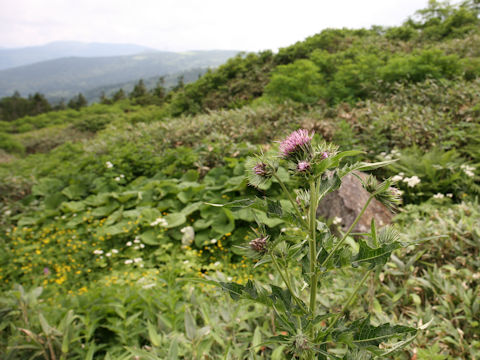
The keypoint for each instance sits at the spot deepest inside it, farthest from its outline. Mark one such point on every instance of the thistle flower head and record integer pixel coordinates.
(296, 142)
(259, 244)
(324, 155)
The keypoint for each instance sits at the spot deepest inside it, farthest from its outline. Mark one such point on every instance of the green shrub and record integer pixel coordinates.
(300, 81)
(10, 144)
(421, 65)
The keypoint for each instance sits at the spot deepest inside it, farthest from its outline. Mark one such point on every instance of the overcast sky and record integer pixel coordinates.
(179, 25)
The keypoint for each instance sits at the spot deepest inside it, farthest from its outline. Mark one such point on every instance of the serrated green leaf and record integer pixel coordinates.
(374, 256)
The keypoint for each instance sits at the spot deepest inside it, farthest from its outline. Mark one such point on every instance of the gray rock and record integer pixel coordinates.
(347, 202)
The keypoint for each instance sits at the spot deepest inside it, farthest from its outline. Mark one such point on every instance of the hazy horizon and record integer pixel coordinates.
(183, 25)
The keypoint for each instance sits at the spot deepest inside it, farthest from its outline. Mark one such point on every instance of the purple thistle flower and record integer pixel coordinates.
(259, 244)
(260, 169)
(324, 155)
(46, 271)
(303, 166)
(296, 141)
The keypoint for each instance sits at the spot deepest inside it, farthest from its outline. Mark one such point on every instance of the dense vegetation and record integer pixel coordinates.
(104, 211)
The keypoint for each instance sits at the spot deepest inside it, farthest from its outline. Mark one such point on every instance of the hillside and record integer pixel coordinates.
(10, 58)
(66, 77)
(130, 230)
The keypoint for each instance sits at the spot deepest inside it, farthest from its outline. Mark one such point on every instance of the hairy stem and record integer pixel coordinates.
(313, 246)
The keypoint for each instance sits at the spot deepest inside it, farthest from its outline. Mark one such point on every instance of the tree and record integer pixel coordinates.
(119, 95)
(139, 90)
(77, 102)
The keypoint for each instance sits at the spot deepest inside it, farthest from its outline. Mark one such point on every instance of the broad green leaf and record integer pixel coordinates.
(257, 339)
(190, 325)
(175, 219)
(114, 217)
(149, 237)
(73, 206)
(47, 186)
(155, 339)
(125, 196)
(75, 192)
(106, 210)
(173, 350)
(277, 354)
(191, 208)
(223, 222)
(54, 200)
(264, 219)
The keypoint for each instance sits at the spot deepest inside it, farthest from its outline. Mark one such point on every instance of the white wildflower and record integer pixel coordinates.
(114, 251)
(159, 221)
(468, 170)
(217, 263)
(148, 286)
(109, 165)
(397, 178)
(129, 261)
(438, 196)
(337, 220)
(213, 241)
(108, 254)
(98, 252)
(136, 247)
(129, 243)
(142, 246)
(188, 235)
(137, 260)
(186, 262)
(449, 195)
(118, 178)
(411, 182)
(137, 240)
(122, 176)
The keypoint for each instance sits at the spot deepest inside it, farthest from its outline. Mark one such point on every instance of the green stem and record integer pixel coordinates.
(349, 301)
(313, 246)
(292, 201)
(287, 283)
(348, 231)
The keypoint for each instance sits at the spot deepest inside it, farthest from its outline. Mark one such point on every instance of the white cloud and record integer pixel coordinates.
(191, 24)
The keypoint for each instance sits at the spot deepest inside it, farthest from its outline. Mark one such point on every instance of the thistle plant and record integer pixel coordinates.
(311, 255)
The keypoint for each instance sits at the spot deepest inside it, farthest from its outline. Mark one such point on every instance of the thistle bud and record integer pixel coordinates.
(303, 166)
(260, 169)
(259, 244)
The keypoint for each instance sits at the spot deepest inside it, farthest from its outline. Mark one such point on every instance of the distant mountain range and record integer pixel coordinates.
(10, 58)
(65, 77)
